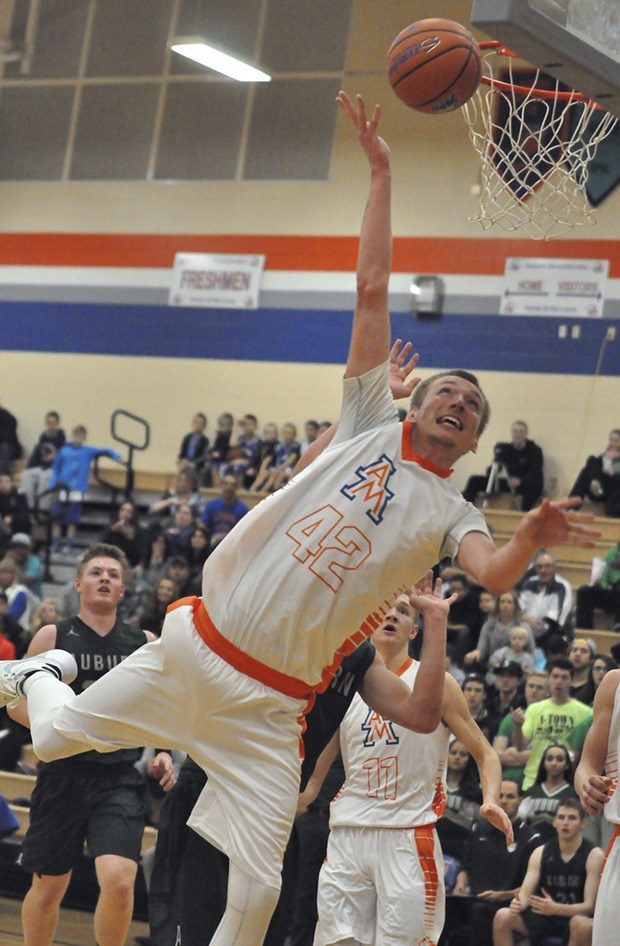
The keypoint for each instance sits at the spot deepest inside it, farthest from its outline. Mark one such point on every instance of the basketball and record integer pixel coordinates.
(434, 65)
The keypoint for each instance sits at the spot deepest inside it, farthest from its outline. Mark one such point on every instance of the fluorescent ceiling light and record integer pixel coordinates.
(193, 47)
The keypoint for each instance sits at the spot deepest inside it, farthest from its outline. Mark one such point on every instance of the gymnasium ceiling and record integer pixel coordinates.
(90, 91)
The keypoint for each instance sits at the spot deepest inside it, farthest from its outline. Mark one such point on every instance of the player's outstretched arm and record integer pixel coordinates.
(591, 786)
(458, 719)
(419, 709)
(370, 336)
(551, 523)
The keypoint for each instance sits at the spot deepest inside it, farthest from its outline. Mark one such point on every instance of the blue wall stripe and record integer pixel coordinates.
(493, 343)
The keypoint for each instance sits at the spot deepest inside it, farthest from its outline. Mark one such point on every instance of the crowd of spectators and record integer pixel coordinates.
(527, 668)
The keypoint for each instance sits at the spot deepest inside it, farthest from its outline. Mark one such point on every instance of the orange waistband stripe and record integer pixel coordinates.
(612, 841)
(241, 661)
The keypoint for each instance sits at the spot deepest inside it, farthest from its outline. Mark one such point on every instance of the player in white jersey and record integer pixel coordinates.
(383, 879)
(599, 794)
(302, 580)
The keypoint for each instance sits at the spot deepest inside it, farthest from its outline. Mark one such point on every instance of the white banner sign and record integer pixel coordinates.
(205, 280)
(569, 288)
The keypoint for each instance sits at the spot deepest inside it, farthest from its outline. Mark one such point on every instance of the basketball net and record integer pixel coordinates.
(535, 143)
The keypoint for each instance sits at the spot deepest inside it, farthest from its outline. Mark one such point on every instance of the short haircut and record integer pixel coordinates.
(562, 663)
(102, 550)
(574, 803)
(519, 423)
(420, 392)
(53, 414)
(536, 672)
(80, 430)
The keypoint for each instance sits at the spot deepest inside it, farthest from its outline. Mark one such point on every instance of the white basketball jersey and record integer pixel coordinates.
(321, 560)
(612, 808)
(395, 778)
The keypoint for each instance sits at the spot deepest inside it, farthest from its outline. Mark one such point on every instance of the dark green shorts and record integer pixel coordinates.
(102, 805)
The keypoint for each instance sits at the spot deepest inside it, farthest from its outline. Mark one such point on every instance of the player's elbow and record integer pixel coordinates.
(372, 287)
(426, 721)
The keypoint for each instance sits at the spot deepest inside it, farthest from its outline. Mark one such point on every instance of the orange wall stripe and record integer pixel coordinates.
(451, 255)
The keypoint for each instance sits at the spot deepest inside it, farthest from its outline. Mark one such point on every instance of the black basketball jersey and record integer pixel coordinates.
(564, 881)
(95, 655)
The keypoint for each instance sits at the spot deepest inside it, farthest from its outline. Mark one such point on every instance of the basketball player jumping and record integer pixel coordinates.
(296, 586)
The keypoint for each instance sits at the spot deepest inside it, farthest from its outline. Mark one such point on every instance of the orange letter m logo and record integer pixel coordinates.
(371, 486)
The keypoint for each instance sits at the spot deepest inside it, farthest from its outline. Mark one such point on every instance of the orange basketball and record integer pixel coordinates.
(434, 65)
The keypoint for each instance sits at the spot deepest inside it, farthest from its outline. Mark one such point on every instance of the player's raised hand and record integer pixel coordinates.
(426, 598)
(375, 147)
(402, 363)
(556, 523)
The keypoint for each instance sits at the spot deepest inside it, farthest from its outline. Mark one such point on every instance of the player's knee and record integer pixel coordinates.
(48, 891)
(116, 877)
(501, 920)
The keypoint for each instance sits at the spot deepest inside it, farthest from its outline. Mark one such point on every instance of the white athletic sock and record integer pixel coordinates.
(249, 907)
(46, 697)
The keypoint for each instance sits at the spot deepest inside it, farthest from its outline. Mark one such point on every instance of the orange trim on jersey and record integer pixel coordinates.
(425, 846)
(241, 661)
(612, 841)
(471, 256)
(404, 667)
(408, 454)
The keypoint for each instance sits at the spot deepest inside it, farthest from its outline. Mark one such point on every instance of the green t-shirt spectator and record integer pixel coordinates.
(512, 772)
(547, 722)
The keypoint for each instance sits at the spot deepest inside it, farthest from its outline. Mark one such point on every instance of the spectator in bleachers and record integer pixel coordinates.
(601, 665)
(263, 460)
(154, 561)
(546, 602)
(222, 514)
(185, 492)
(10, 447)
(513, 760)
(197, 554)
(48, 612)
(521, 462)
(495, 631)
(243, 448)
(549, 720)
(476, 696)
(125, 532)
(179, 572)
(491, 872)
(463, 800)
(515, 652)
(603, 594)
(553, 783)
(36, 477)
(153, 611)
(465, 618)
(600, 478)
(70, 472)
(22, 602)
(178, 534)
(29, 564)
(14, 513)
(11, 628)
(311, 432)
(581, 655)
(506, 692)
(287, 455)
(194, 449)
(218, 454)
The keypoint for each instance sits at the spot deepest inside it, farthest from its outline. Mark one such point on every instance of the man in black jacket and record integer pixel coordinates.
(521, 462)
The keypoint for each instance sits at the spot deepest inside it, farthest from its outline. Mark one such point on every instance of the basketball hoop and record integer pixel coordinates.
(535, 141)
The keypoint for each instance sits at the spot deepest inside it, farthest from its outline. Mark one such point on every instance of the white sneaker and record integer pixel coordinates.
(14, 673)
